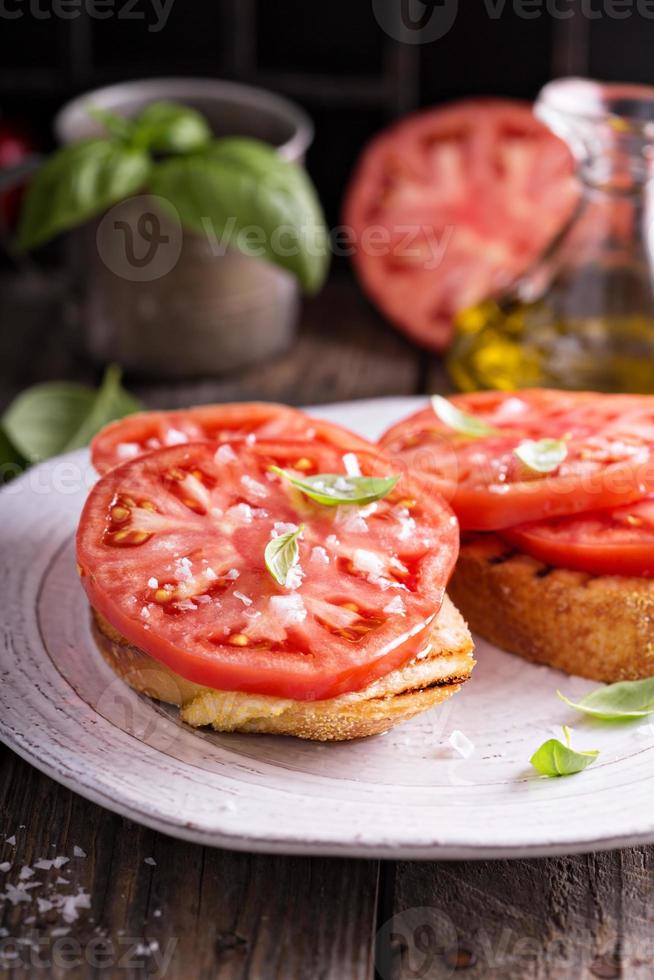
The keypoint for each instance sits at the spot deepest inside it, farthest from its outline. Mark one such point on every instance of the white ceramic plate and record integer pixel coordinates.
(403, 795)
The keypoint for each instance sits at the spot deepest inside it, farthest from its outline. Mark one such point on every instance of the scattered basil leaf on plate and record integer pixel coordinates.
(168, 127)
(282, 553)
(462, 422)
(55, 417)
(11, 461)
(332, 489)
(624, 700)
(553, 758)
(77, 183)
(542, 455)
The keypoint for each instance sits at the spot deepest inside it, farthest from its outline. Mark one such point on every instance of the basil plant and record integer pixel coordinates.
(223, 186)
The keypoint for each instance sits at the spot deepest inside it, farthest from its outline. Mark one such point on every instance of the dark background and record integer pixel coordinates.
(330, 55)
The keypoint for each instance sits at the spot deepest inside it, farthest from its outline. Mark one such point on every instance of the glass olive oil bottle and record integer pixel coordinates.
(583, 315)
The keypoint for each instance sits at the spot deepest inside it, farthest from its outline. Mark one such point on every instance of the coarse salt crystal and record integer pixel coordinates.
(367, 561)
(351, 464)
(240, 513)
(294, 577)
(145, 613)
(245, 599)
(282, 527)
(210, 575)
(153, 583)
(254, 487)
(11, 840)
(225, 454)
(461, 744)
(174, 437)
(43, 864)
(395, 606)
(289, 609)
(150, 861)
(59, 861)
(127, 450)
(6, 866)
(250, 439)
(318, 554)
(332, 542)
(183, 569)
(25, 872)
(79, 852)
(232, 574)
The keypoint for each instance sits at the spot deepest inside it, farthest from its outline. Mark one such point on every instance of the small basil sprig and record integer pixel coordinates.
(615, 702)
(454, 418)
(324, 488)
(282, 553)
(59, 416)
(553, 758)
(542, 455)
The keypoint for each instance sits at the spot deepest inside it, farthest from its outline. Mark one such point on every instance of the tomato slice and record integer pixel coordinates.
(141, 433)
(614, 542)
(449, 205)
(610, 455)
(171, 552)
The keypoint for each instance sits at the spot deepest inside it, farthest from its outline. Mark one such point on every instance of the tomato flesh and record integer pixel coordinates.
(615, 542)
(610, 455)
(171, 552)
(141, 433)
(449, 205)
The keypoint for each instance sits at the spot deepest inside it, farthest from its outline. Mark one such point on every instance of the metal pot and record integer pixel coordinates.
(161, 300)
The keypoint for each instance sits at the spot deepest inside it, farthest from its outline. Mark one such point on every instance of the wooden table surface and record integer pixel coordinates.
(197, 913)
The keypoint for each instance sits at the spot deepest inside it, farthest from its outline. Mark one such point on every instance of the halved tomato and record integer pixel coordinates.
(449, 205)
(171, 552)
(614, 542)
(137, 434)
(609, 462)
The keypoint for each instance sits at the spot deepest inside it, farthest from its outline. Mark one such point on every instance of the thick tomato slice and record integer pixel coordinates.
(609, 462)
(449, 205)
(614, 542)
(171, 552)
(141, 433)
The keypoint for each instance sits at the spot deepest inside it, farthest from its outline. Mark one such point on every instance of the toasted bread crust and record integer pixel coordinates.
(596, 626)
(395, 698)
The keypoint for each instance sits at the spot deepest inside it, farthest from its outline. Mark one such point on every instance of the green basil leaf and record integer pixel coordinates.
(282, 553)
(553, 758)
(114, 124)
(626, 699)
(542, 455)
(454, 418)
(168, 127)
(11, 461)
(243, 195)
(110, 402)
(52, 418)
(77, 183)
(332, 489)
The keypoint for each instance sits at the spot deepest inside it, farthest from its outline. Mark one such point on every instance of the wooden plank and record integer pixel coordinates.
(586, 916)
(195, 913)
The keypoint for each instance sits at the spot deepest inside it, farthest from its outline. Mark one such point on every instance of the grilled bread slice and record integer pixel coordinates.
(435, 675)
(596, 626)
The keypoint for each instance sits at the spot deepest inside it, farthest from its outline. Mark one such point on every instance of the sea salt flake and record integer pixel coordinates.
(6, 866)
(59, 862)
(25, 873)
(210, 575)
(79, 852)
(127, 450)
(150, 861)
(183, 569)
(153, 583)
(43, 864)
(250, 438)
(245, 599)
(225, 454)
(11, 840)
(367, 561)
(289, 609)
(395, 606)
(254, 487)
(294, 577)
(282, 527)
(318, 554)
(351, 464)
(174, 437)
(233, 574)
(461, 744)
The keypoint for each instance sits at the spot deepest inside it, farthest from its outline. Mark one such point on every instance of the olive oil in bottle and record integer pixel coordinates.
(583, 316)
